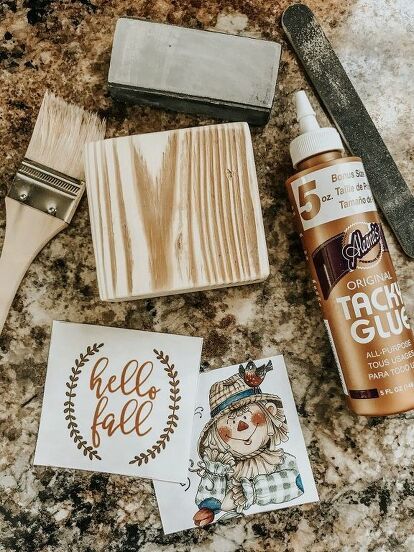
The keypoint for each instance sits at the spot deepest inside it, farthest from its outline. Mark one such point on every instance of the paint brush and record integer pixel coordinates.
(46, 190)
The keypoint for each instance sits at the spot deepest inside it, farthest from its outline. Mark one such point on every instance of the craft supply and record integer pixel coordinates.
(247, 454)
(352, 271)
(119, 401)
(46, 190)
(352, 120)
(175, 211)
(214, 74)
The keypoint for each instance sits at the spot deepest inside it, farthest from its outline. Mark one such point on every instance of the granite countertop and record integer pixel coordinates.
(363, 467)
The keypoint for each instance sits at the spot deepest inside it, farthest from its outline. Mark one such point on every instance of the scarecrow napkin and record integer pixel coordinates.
(248, 454)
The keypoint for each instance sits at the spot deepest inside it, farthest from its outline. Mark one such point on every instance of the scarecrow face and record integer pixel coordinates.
(245, 430)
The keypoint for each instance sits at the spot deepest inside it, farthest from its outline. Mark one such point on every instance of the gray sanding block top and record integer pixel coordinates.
(215, 74)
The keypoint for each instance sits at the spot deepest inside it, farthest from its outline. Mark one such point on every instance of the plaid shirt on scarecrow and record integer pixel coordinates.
(282, 485)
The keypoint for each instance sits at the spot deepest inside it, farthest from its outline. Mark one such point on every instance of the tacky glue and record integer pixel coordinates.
(352, 271)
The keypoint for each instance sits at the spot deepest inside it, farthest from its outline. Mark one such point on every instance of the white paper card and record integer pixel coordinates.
(248, 454)
(119, 401)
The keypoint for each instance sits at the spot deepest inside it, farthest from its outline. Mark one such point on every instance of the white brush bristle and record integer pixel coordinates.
(60, 134)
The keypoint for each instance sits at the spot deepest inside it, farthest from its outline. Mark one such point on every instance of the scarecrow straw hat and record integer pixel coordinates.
(231, 394)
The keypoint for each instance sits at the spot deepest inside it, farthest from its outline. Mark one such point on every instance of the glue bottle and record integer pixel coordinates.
(351, 269)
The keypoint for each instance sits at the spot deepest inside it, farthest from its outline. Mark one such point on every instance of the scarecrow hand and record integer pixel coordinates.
(241, 501)
(203, 517)
(248, 491)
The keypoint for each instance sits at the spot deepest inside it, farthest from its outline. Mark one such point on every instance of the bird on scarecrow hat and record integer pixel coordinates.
(242, 463)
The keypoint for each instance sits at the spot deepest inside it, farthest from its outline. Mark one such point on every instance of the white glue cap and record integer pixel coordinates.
(312, 139)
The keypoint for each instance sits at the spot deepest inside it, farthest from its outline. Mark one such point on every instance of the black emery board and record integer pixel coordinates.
(352, 120)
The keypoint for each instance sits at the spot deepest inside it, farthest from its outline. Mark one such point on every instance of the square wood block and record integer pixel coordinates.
(174, 212)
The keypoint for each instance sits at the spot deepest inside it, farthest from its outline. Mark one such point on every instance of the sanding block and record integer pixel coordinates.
(352, 120)
(215, 74)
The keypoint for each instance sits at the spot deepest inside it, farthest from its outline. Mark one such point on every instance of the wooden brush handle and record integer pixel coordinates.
(27, 232)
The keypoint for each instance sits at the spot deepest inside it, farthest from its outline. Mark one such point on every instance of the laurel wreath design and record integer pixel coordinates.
(172, 418)
(69, 405)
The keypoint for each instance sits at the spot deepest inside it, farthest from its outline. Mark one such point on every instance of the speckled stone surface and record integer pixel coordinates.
(363, 467)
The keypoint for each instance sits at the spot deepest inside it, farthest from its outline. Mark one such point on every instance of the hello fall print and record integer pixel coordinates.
(242, 463)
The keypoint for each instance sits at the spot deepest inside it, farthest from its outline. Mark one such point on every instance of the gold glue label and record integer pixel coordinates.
(356, 285)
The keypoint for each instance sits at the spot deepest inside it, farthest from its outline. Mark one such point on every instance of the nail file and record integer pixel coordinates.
(352, 120)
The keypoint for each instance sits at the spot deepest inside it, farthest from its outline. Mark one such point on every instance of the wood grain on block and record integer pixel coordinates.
(175, 211)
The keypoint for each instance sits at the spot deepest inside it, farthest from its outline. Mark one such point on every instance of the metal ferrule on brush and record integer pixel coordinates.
(47, 190)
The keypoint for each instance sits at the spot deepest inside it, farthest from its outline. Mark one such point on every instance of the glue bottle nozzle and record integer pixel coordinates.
(304, 113)
(312, 139)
